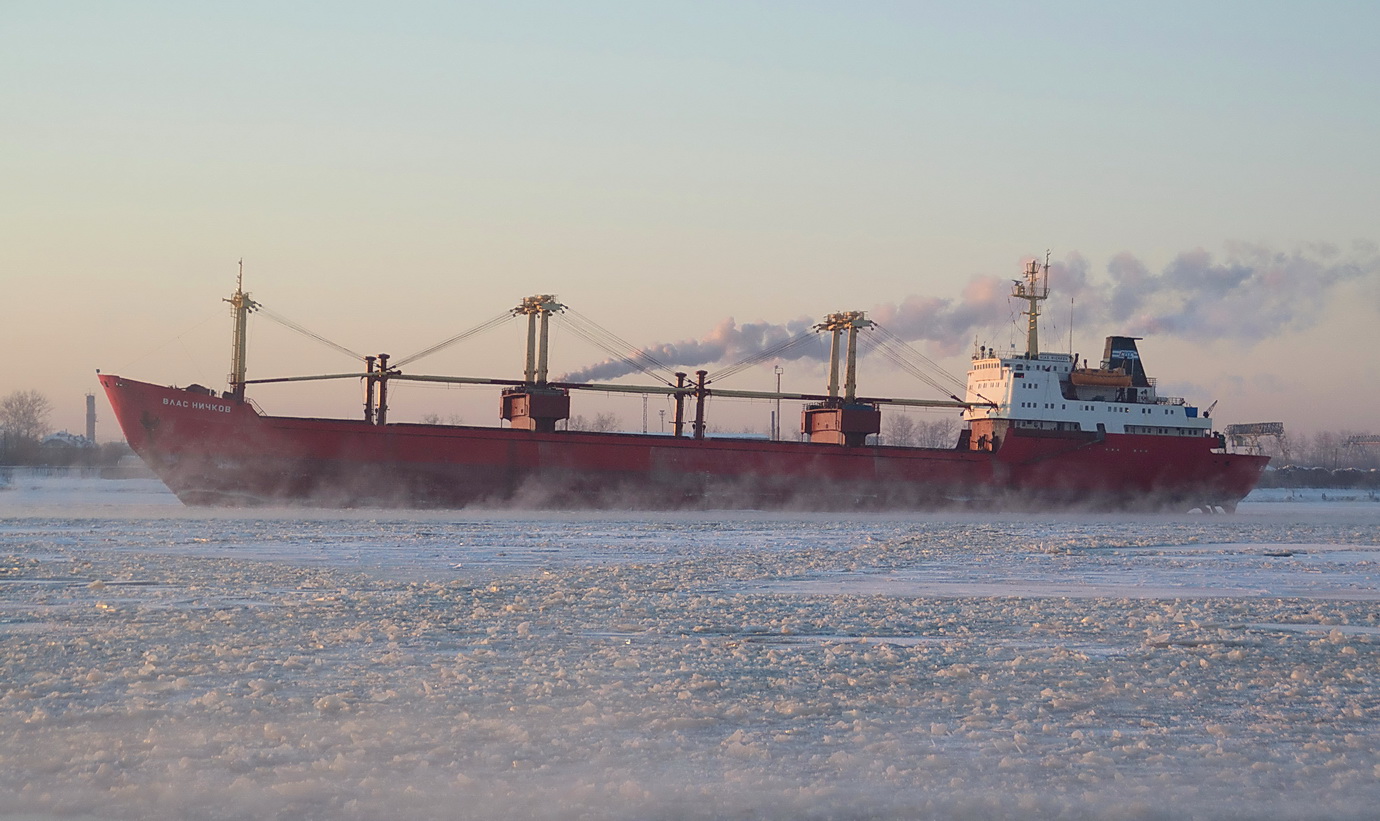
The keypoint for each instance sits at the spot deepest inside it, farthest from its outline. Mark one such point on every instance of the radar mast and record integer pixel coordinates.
(240, 307)
(1033, 290)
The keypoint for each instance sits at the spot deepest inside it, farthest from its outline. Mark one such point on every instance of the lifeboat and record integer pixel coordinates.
(1099, 378)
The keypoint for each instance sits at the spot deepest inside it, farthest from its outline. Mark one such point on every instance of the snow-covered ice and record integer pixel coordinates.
(163, 662)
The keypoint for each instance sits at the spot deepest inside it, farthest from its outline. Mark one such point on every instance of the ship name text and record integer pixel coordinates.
(194, 405)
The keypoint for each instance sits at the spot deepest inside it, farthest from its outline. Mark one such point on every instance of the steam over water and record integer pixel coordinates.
(160, 662)
(1253, 293)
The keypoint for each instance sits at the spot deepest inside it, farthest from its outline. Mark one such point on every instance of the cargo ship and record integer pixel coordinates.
(1040, 431)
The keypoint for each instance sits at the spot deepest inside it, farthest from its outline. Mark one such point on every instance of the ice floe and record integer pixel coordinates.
(161, 662)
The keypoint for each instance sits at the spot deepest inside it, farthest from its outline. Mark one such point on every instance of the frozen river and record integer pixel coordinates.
(160, 662)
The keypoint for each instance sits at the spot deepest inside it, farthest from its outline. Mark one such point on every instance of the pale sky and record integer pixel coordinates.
(1206, 175)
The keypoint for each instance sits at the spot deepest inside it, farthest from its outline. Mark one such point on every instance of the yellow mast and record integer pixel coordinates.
(850, 321)
(240, 307)
(541, 305)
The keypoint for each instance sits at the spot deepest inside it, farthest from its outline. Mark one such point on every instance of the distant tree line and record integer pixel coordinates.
(25, 440)
(1335, 450)
(1327, 459)
(601, 423)
(902, 431)
(23, 424)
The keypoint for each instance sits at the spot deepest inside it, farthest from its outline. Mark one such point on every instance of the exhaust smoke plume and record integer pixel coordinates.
(728, 342)
(1253, 293)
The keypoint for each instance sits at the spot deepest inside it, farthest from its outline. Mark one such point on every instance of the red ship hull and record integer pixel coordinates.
(213, 451)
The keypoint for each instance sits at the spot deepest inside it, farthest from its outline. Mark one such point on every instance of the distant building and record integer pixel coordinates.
(63, 439)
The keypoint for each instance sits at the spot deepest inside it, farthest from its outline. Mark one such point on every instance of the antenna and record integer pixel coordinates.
(1071, 327)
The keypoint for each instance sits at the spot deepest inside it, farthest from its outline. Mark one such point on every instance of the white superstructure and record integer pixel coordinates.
(1049, 391)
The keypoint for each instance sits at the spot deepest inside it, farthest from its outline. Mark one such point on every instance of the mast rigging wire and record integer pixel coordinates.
(293, 326)
(919, 360)
(178, 338)
(761, 356)
(618, 349)
(631, 361)
(911, 361)
(640, 354)
(872, 345)
(460, 337)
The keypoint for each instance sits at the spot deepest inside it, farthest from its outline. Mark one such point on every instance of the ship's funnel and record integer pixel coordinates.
(1121, 353)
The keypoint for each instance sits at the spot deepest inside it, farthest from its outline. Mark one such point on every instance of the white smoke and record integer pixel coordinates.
(1252, 293)
(728, 342)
